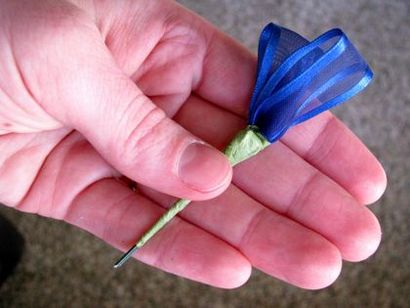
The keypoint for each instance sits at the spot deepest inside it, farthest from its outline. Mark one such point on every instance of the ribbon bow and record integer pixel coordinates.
(296, 80)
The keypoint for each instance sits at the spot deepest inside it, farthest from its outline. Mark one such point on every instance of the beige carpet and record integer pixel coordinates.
(65, 267)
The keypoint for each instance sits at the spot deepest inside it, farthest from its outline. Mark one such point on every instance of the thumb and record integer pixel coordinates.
(96, 98)
(138, 139)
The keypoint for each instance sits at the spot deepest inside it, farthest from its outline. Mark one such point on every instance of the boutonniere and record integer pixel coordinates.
(296, 80)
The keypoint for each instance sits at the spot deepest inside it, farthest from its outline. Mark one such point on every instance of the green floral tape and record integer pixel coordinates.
(247, 143)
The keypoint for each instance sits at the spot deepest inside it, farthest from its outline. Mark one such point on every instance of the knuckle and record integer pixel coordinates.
(142, 128)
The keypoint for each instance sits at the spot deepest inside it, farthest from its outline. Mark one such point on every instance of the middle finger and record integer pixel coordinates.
(283, 181)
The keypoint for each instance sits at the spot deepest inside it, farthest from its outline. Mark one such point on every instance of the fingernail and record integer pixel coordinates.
(203, 168)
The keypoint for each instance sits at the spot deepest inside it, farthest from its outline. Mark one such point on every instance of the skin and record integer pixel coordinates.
(79, 86)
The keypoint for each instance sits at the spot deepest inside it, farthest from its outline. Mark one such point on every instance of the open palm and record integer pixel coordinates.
(76, 76)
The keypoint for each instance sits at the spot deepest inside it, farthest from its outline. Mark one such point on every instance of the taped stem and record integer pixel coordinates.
(247, 143)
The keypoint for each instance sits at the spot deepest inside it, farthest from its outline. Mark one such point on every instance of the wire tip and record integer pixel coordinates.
(125, 257)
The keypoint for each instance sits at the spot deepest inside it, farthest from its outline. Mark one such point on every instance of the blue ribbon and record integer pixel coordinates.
(296, 80)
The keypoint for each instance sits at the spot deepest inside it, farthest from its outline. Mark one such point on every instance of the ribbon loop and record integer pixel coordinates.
(297, 79)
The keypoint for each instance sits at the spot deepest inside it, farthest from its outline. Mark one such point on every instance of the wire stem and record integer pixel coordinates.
(247, 143)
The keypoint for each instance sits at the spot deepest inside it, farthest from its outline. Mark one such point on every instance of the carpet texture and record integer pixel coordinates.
(65, 267)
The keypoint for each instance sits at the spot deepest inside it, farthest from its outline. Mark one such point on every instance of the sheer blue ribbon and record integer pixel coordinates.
(297, 80)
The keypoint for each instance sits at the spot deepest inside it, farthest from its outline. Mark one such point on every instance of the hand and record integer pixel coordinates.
(79, 86)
